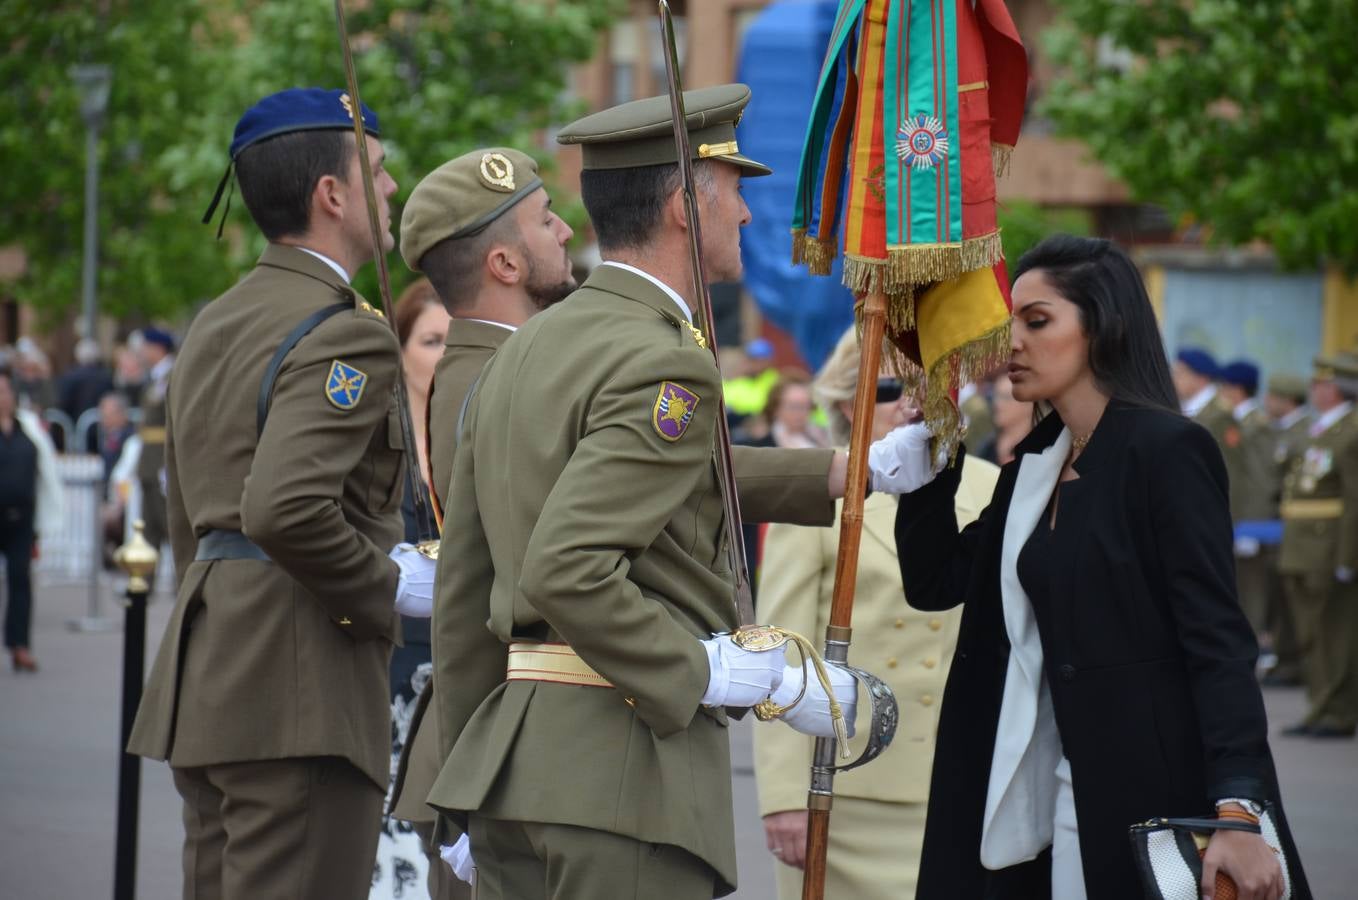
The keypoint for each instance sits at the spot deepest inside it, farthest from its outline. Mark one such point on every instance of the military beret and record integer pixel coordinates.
(1290, 386)
(463, 196)
(641, 133)
(1241, 373)
(1199, 361)
(158, 337)
(298, 109)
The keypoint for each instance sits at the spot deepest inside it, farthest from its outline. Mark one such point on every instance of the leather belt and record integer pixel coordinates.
(1313, 509)
(554, 663)
(219, 543)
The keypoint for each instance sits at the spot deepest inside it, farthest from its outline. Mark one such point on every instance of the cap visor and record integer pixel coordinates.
(751, 168)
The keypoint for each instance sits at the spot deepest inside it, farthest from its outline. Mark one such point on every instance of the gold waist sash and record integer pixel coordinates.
(151, 434)
(555, 663)
(1332, 508)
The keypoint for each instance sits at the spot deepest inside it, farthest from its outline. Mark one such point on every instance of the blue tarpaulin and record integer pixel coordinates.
(780, 61)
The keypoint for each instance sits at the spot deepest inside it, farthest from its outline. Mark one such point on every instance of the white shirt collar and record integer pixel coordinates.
(339, 269)
(162, 368)
(1195, 404)
(1291, 418)
(678, 301)
(1244, 408)
(489, 322)
(1329, 418)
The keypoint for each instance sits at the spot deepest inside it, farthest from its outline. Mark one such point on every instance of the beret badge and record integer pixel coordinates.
(497, 172)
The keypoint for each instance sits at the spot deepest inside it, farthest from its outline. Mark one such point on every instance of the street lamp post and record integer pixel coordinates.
(93, 82)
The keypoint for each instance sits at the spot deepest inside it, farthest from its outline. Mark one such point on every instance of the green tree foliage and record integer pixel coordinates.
(444, 76)
(1024, 224)
(1241, 115)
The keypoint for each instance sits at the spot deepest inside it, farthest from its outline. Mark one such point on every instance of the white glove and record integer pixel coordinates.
(459, 857)
(812, 714)
(740, 677)
(899, 463)
(1344, 575)
(415, 589)
(1246, 547)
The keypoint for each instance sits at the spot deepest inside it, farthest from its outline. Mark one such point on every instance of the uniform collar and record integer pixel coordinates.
(304, 262)
(1291, 418)
(1195, 404)
(1325, 420)
(669, 291)
(477, 333)
(1244, 408)
(339, 270)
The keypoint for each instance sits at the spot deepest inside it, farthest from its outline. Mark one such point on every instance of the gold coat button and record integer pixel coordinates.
(926, 700)
(935, 624)
(891, 663)
(930, 663)
(900, 623)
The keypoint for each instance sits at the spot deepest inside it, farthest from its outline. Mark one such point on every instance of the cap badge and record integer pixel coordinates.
(724, 148)
(347, 104)
(673, 410)
(497, 171)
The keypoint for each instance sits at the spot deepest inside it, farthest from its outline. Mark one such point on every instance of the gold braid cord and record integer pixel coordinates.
(759, 638)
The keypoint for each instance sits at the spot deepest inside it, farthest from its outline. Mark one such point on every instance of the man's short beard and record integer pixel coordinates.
(545, 295)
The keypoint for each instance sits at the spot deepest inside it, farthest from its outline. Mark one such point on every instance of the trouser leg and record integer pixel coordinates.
(16, 543)
(204, 834)
(1306, 595)
(1251, 576)
(1336, 701)
(1282, 625)
(442, 883)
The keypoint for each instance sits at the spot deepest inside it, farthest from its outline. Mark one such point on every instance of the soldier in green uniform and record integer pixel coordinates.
(1285, 402)
(285, 472)
(1195, 374)
(584, 568)
(1247, 446)
(1319, 558)
(157, 355)
(481, 229)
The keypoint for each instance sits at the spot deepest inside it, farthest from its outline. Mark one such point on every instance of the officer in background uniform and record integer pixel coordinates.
(584, 565)
(1195, 374)
(482, 230)
(1319, 559)
(1285, 402)
(1247, 446)
(157, 355)
(285, 474)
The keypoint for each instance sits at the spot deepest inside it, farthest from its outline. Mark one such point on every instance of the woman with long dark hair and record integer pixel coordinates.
(1104, 673)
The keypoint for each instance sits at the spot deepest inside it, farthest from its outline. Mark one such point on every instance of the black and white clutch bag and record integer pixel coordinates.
(1168, 854)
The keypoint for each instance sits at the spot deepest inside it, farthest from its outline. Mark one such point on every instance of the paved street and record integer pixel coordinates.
(58, 777)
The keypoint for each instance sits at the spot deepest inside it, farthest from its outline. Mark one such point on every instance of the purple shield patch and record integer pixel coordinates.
(673, 410)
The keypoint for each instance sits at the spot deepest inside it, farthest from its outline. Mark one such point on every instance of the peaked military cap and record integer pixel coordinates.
(298, 109)
(463, 197)
(1285, 385)
(641, 133)
(1340, 367)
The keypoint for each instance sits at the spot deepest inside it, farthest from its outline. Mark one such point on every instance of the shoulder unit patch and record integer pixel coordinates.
(673, 410)
(344, 385)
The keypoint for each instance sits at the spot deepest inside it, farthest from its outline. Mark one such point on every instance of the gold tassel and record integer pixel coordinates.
(1000, 155)
(798, 246)
(819, 255)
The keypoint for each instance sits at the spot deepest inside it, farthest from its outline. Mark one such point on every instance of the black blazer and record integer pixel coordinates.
(1148, 655)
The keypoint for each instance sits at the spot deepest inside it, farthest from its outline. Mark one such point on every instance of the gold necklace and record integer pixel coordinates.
(1079, 443)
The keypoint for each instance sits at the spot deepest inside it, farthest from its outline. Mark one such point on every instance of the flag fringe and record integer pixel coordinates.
(816, 254)
(966, 364)
(1000, 156)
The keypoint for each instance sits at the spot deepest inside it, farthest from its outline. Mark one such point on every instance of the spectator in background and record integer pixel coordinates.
(978, 414)
(879, 810)
(789, 415)
(747, 394)
(1285, 403)
(1013, 420)
(1247, 446)
(114, 429)
(1195, 375)
(30, 505)
(129, 376)
(80, 387)
(33, 376)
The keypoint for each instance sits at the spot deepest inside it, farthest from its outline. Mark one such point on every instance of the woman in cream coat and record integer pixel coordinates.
(878, 819)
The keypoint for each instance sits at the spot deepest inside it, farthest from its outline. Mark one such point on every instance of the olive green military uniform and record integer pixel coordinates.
(1289, 443)
(1320, 537)
(1216, 418)
(152, 460)
(269, 694)
(1247, 446)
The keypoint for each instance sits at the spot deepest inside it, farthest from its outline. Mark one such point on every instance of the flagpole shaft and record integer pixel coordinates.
(839, 633)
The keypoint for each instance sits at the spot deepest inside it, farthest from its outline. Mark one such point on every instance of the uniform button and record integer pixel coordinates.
(935, 624)
(930, 663)
(891, 663)
(900, 623)
(926, 700)
(344, 620)
(1067, 672)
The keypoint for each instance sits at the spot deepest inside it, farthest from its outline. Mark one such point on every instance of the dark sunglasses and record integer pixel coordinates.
(889, 390)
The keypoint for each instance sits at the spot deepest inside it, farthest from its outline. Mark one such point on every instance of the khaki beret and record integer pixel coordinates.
(463, 196)
(641, 133)
(1294, 387)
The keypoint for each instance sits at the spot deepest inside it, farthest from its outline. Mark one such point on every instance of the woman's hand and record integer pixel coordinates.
(1250, 863)
(785, 833)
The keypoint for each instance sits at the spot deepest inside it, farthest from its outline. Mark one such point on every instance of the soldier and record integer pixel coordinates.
(157, 356)
(1285, 402)
(285, 475)
(1319, 558)
(482, 230)
(584, 565)
(1247, 446)
(1195, 374)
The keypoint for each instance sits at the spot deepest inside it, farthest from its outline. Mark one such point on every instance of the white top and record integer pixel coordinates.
(1322, 424)
(1291, 418)
(490, 322)
(674, 295)
(1244, 408)
(1195, 404)
(48, 519)
(339, 269)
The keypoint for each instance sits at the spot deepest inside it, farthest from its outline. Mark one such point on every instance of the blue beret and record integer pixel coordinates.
(1199, 361)
(759, 348)
(156, 336)
(1241, 373)
(298, 109)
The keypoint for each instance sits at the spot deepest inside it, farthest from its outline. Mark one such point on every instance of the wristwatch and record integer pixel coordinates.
(1250, 806)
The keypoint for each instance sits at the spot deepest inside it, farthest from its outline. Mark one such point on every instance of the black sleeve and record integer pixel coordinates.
(936, 559)
(1191, 523)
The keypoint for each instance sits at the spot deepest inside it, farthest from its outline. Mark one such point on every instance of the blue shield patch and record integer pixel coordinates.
(344, 385)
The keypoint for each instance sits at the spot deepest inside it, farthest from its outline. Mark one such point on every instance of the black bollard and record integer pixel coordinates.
(138, 559)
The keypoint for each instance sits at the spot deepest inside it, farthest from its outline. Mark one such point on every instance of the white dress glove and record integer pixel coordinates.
(1246, 547)
(899, 463)
(740, 677)
(812, 714)
(415, 589)
(459, 857)
(1344, 575)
